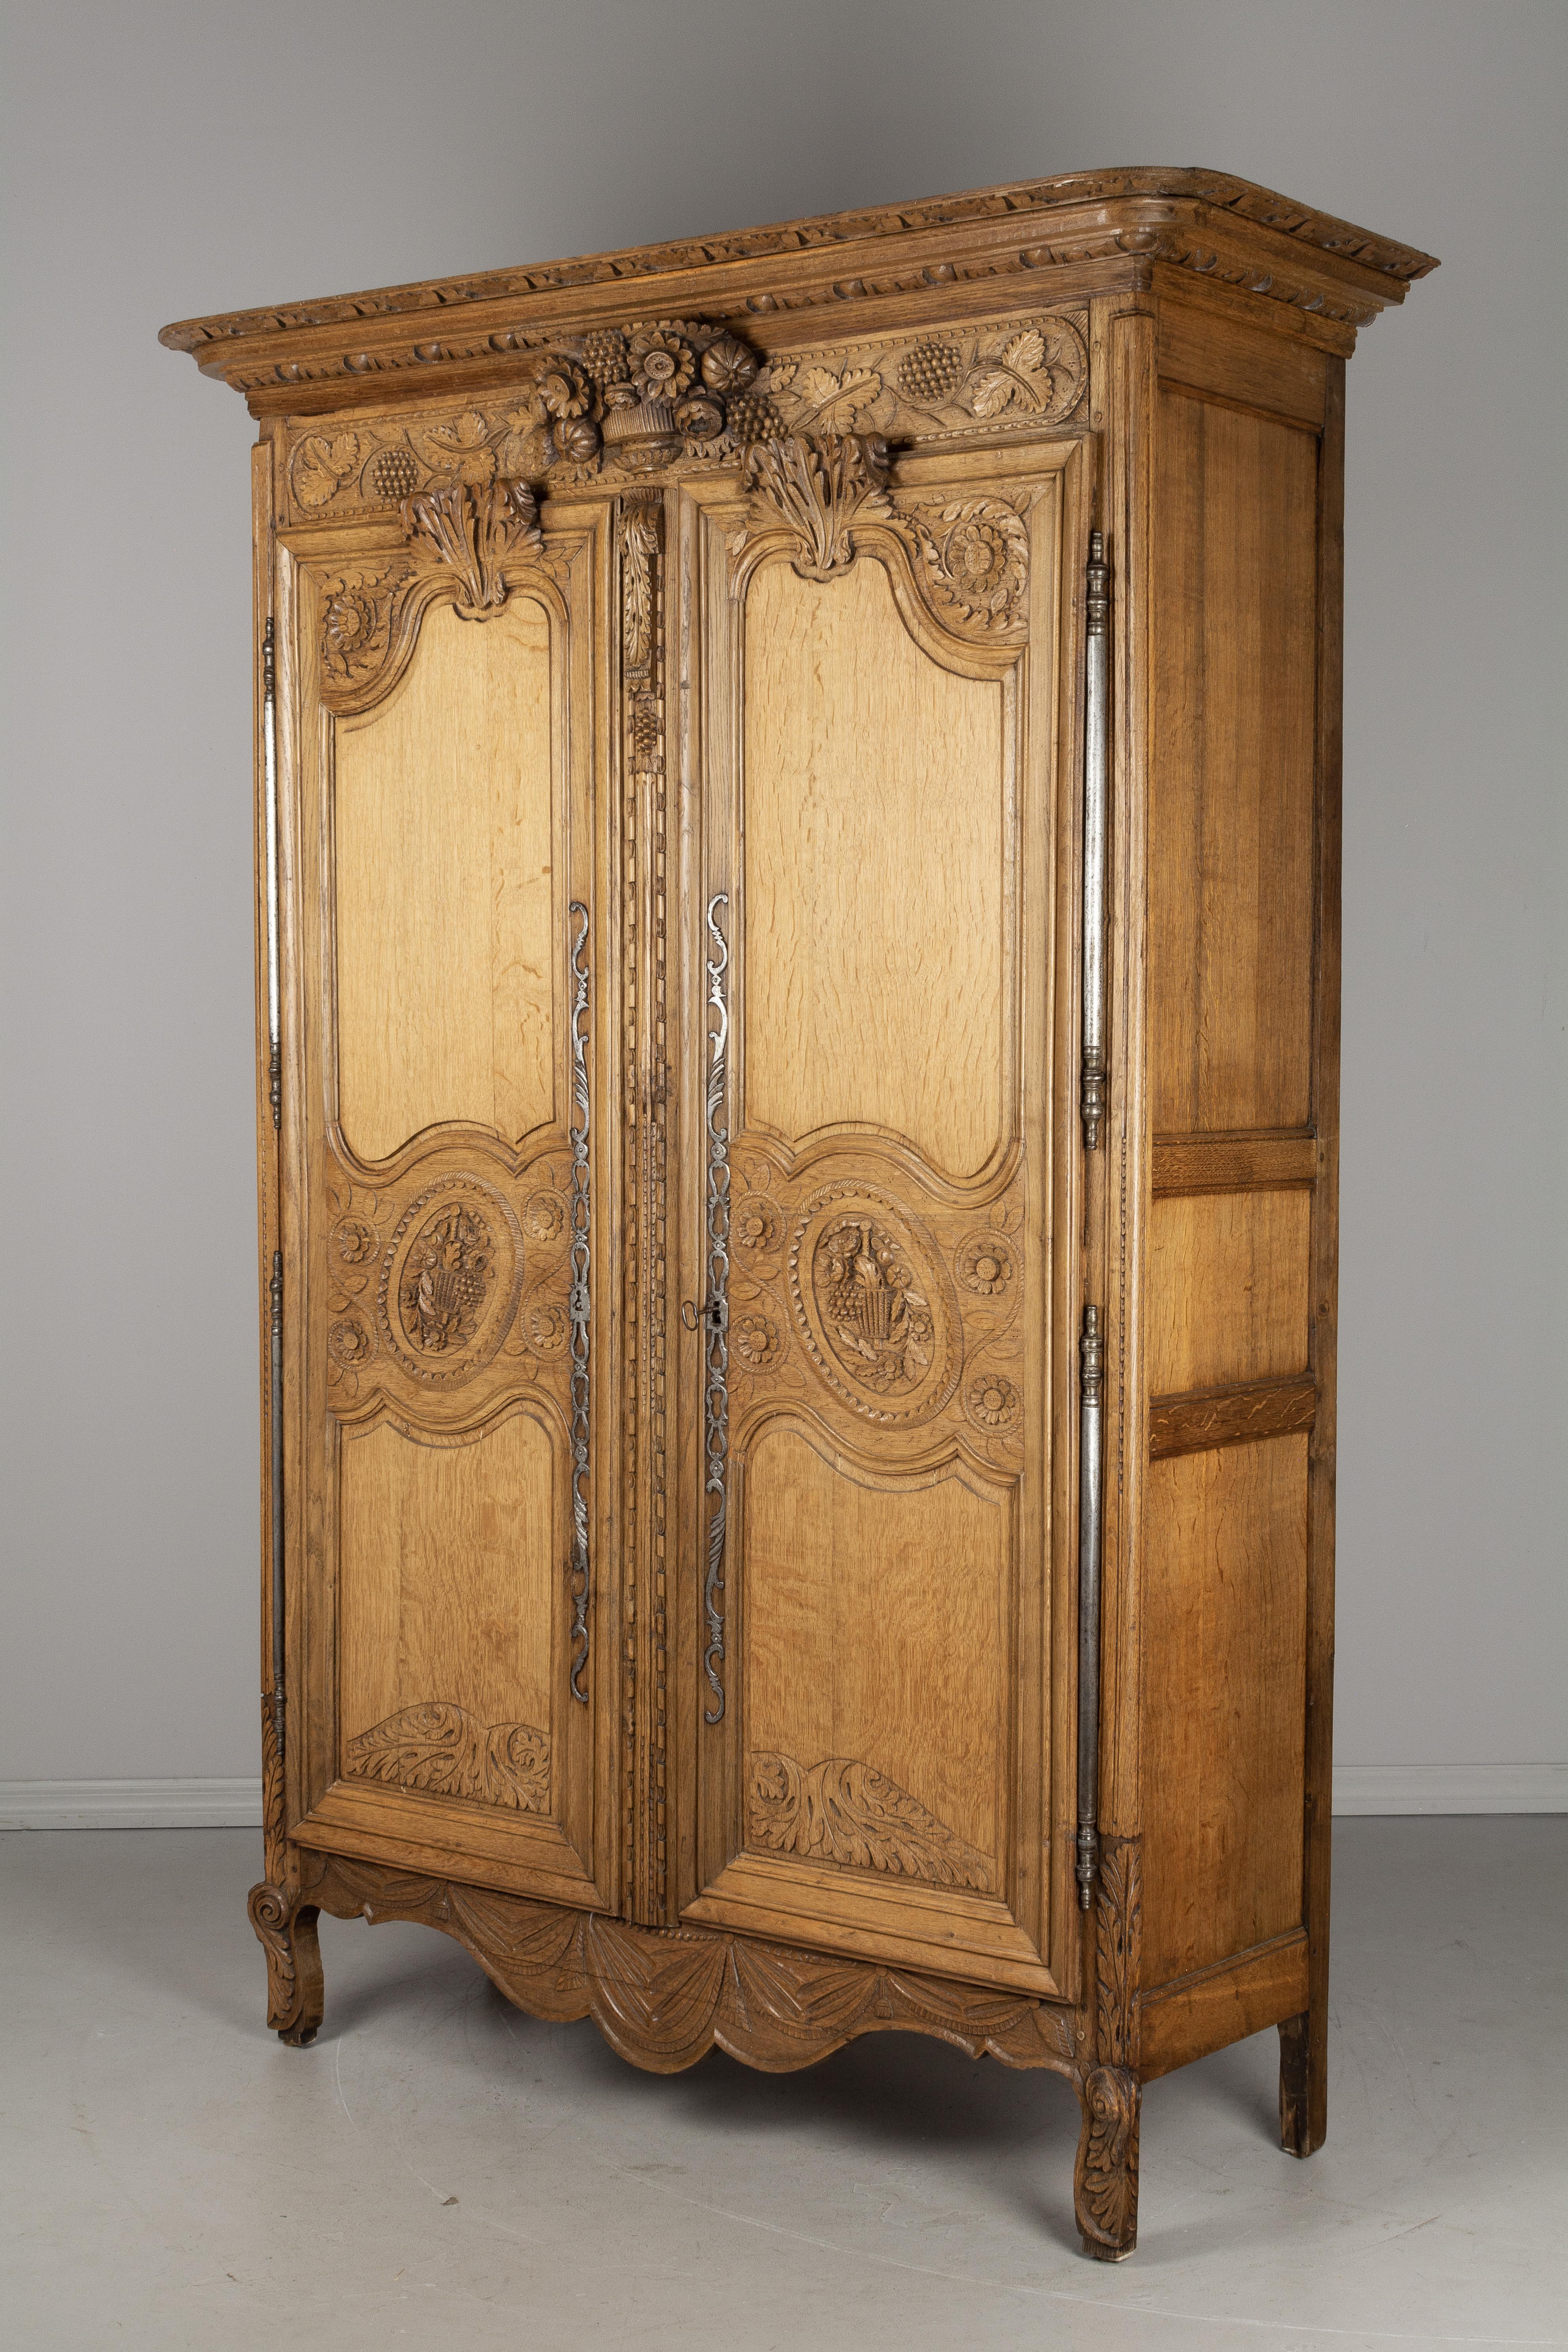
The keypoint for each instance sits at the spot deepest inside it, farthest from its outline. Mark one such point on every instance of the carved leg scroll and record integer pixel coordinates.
(1299, 2059)
(1105, 2179)
(286, 1932)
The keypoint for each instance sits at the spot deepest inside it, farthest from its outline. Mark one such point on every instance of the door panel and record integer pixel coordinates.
(449, 1312)
(860, 753)
(447, 898)
(874, 926)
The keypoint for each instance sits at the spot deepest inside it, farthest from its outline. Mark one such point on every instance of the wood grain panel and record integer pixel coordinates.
(1224, 1692)
(1222, 2004)
(1233, 1163)
(447, 925)
(1235, 1416)
(1229, 1289)
(877, 1627)
(1252, 366)
(446, 1574)
(1231, 772)
(876, 895)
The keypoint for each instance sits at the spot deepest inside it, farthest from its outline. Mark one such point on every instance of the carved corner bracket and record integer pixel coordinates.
(471, 530)
(958, 565)
(459, 536)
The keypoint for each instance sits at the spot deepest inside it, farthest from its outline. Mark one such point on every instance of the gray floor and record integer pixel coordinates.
(440, 2170)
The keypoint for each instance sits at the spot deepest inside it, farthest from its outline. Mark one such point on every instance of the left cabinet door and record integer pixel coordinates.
(447, 1189)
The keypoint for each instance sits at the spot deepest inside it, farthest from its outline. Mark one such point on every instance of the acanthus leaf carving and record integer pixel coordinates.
(1105, 2180)
(845, 1811)
(440, 1747)
(473, 526)
(820, 488)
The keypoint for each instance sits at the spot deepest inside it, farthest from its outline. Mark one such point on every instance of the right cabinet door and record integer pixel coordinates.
(879, 1168)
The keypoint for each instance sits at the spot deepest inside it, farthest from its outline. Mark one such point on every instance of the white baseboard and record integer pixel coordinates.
(1451, 1788)
(131, 1804)
(236, 1804)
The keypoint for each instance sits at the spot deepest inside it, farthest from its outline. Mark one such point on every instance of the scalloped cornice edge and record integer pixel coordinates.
(1205, 221)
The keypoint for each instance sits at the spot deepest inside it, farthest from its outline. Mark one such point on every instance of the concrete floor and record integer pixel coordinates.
(441, 2169)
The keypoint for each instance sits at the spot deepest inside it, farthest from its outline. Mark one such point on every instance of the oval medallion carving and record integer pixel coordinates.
(450, 1279)
(874, 1304)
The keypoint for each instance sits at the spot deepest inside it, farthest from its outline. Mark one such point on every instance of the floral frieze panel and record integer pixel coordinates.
(675, 395)
(931, 386)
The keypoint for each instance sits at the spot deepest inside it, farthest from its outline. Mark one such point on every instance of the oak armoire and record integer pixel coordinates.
(797, 795)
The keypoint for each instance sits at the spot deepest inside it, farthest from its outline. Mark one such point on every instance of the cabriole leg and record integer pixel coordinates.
(287, 1931)
(1105, 2180)
(1303, 2082)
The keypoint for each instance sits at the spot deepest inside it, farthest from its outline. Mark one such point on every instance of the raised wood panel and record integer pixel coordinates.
(875, 891)
(447, 1572)
(1233, 1163)
(449, 921)
(1254, 367)
(1233, 1416)
(1222, 2004)
(879, 1635)
(1229, 1289)
(1232, 762)
(1225, 1623)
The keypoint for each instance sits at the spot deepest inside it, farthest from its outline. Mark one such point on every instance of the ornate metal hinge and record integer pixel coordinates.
(269, 791)
(715, 1317)
(1096, 785)
(579, 1306)
(1091, 1385)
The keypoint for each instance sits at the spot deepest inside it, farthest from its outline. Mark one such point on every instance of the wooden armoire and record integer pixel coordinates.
(797, 795)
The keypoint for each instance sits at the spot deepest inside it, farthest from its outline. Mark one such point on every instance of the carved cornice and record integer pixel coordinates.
(663, 1998)
(1204, 221)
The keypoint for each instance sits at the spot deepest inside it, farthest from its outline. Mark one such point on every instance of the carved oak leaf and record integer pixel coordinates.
(322, 464)
(440, 1747)
(1018, 375)
(845, 1811)
(460, 450)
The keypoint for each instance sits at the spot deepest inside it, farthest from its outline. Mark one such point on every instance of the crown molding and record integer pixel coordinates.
(1106, 227)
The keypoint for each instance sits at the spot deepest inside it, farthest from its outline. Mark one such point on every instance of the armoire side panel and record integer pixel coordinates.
(1231, 870)
(1233, 965)
(1225, 1634)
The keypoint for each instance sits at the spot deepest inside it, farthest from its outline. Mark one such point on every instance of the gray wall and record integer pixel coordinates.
(171, 159)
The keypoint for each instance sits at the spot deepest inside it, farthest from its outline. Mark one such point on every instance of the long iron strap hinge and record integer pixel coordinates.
(1091, 1389)
(1096, 794)
(269, 788)
(579, 1303)
(274, 1441)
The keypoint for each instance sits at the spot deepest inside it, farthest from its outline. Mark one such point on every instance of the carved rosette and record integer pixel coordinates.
(847, 1812)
